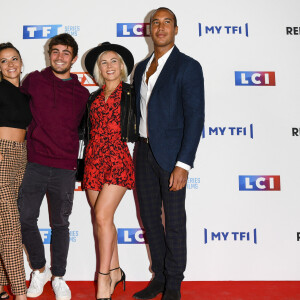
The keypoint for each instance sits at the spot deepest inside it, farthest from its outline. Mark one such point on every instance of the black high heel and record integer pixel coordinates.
(123, 277)
(4, 294)
(104, 298)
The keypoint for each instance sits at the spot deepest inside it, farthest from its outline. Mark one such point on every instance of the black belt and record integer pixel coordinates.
(144, 140)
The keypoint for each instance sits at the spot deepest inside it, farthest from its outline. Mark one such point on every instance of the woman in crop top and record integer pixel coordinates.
(15, 116)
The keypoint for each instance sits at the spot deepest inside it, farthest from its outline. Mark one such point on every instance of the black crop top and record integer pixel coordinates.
(14, 106)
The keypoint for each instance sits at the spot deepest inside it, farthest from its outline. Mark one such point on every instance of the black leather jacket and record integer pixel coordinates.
(128, 116)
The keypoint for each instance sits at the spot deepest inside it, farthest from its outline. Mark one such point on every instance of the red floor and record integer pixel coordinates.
(204, 290)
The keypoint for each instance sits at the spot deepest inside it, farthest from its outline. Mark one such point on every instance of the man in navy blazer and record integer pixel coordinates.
(170, 114)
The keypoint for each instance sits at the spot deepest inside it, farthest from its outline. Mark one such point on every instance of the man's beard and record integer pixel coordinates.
(64, 71)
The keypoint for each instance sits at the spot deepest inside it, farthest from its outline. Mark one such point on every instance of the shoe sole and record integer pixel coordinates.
(34, 295)
(63, 298)
(136, 297)
(37, 295)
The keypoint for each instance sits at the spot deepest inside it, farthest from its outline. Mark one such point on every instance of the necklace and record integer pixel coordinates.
(108, 92)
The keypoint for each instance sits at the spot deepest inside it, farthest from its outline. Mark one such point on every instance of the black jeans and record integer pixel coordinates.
(59, 185)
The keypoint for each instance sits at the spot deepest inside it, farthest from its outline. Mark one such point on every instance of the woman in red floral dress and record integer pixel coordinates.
(109, 169)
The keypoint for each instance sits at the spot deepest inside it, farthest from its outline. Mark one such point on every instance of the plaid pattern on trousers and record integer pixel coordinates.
(12, 169)
(167, 245)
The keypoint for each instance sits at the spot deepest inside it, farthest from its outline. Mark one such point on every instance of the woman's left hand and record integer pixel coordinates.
(1, 157)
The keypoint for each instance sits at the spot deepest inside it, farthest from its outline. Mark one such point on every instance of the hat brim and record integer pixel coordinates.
(94, 53)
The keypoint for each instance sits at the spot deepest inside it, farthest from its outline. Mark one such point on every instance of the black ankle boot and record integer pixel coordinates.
(151, 291)
(171, 295)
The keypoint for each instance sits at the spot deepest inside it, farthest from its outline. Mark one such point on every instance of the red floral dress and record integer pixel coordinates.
(107, 158)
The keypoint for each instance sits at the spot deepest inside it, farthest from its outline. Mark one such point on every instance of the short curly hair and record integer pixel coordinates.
(66, 40)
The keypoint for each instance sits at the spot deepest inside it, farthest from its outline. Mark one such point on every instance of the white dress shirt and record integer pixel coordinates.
(146, 90)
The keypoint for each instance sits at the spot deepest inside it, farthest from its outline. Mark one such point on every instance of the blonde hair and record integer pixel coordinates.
(97, 73)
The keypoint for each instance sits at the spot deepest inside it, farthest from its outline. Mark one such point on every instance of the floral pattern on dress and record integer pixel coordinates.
(107, 157)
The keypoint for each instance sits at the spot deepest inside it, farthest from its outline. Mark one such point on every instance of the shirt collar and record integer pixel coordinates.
(162, 59)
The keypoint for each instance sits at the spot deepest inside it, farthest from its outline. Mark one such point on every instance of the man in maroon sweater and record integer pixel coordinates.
(58, 103)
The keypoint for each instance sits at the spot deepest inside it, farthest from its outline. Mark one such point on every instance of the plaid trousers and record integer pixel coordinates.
(167, 244)
(12, 169)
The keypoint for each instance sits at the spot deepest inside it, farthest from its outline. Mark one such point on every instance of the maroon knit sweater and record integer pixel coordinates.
(57, 107)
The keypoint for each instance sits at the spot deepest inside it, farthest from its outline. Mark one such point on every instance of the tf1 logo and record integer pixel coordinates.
(235, 30)
(46, 235)
(232, 130)
(131, 236)
(226, 236)
(259, 183)
(40, 31)
(248, 78)
(78, 187)
(85, 79)
(133, 29)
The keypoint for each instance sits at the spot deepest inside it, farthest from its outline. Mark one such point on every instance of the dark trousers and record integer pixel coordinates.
(59, 185)
(167, 246)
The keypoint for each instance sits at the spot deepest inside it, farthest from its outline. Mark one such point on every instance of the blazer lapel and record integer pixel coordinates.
(139, 75)
(166, 71)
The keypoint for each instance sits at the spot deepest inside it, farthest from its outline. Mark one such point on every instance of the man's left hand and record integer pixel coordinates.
(178, 179)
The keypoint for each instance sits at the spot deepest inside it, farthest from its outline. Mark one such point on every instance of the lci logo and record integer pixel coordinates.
(230, 130)
(256, 78)
(131, 236)
(47, 31)
(193, 183)
(259, 183)
(224, 30)
(133, 29)
(295, 131)
(85, 79)
(226, 236)
(46, 235)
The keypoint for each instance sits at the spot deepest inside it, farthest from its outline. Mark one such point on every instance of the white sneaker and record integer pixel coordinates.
(61, 289)
(38, 280)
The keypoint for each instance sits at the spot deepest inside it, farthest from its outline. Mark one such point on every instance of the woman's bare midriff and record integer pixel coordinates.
(12, 134)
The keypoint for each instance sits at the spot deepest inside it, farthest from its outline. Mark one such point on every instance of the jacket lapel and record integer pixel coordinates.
(166, 71)
(138, 76)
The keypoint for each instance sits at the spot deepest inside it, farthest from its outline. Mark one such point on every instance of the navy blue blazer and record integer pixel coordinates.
(175, 109)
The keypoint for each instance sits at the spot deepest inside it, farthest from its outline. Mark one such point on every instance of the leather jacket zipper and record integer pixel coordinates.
(129, 115)
(87, 123)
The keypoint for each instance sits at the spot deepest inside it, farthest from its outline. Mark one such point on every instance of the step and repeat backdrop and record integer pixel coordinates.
(243, 203)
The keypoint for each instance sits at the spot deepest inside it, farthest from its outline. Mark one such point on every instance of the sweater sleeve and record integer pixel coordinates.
(25, 87)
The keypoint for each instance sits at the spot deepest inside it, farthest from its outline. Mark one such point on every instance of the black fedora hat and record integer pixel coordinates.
(94, 53)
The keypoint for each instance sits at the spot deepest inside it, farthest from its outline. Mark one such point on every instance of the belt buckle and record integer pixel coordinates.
(145, 140)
